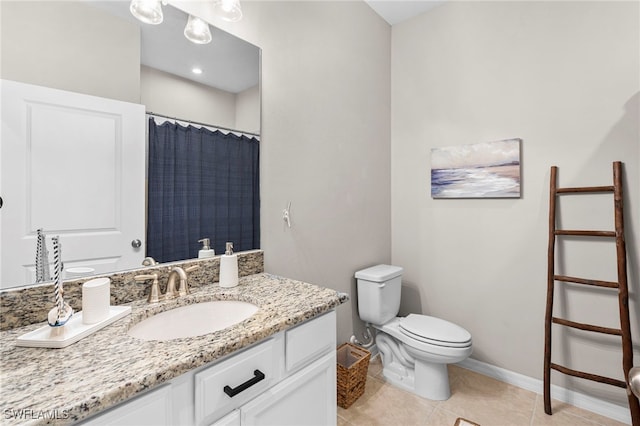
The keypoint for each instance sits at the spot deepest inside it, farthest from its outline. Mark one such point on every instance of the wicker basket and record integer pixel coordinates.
(353, 363)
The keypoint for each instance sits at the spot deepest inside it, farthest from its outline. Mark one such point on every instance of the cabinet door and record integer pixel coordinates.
(152, 409)
(306, 398)
(231, 419)
(310, 340)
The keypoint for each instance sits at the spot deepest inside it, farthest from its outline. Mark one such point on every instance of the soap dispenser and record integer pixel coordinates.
(206, 250)
(229, 267)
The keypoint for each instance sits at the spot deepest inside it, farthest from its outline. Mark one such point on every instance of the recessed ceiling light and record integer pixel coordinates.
(196, 70)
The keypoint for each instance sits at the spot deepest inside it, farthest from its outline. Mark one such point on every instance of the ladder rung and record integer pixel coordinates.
(587, 327)
(586, 189)
(588, 376)
(597, 283)
(586, 233)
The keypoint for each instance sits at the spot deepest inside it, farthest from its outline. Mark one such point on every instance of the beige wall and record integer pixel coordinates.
(40, 45)
(174, 96)
(564, 77)
(325, 139)
(248, 110)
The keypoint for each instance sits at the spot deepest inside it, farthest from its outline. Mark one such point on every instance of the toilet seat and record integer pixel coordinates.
(421, 347)
(434, 331)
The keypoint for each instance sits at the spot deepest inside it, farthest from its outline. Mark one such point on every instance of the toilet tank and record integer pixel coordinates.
(379, 290)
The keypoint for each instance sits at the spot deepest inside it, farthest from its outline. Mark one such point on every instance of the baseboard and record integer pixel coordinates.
(577, 399)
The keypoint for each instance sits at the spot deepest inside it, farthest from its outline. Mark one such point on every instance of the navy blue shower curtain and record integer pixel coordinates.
(202, 184)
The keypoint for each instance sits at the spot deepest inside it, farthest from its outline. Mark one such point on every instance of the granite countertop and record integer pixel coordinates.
(110, 366)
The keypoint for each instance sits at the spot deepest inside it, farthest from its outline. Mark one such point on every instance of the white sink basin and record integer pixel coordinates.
(193, 320)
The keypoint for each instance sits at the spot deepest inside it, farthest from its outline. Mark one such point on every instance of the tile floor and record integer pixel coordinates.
(474, 397)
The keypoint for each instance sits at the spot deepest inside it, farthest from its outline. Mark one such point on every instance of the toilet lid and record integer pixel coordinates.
(435, 331)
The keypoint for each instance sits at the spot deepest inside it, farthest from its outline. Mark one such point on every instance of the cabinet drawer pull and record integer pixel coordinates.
(258, 376)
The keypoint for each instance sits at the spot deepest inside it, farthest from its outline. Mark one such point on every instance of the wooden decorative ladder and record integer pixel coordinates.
(621, 285)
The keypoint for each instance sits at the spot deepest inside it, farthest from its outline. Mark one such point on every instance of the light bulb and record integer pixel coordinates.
(147, 11)
(197, 30)
(229, 10)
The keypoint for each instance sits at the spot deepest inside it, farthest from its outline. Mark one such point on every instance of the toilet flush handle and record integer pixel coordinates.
(381, 285)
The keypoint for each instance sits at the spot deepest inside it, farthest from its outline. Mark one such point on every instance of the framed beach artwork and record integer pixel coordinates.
(482, 170)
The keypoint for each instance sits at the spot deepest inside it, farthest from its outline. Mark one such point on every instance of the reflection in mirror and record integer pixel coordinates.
(99, 49)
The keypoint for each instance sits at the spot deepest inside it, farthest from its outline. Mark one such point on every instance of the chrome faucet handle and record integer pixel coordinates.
(154, 293)
(184, 286)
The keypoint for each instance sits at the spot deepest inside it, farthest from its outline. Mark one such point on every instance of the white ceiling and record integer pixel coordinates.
(396, 11)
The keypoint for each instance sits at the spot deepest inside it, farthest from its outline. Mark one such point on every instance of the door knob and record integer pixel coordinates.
(136, 243)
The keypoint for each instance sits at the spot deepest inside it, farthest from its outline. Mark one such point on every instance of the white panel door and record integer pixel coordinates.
(73, 165)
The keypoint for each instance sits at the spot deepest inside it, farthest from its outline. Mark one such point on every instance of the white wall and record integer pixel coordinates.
(564, 77)
(325, 139)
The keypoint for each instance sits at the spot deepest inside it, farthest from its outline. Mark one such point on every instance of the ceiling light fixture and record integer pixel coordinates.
(197, 31)
(196, 70)
(229, 10)
(147, 11)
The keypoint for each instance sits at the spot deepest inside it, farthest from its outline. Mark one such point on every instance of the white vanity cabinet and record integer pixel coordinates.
(307, 394)
(286, 379)
(306, 398)
(153, 408)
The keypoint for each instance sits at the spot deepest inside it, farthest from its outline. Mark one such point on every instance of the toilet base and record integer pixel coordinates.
(399, 376)
(428, 380)
(406, 368)
(419, 368)
(432, 381)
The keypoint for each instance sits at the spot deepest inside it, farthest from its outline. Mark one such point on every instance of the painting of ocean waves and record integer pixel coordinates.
(485, 170)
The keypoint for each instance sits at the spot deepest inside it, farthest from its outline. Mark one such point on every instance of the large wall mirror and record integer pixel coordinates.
(98, 48)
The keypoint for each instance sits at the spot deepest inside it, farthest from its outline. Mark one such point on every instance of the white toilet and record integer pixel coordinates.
(415, 349)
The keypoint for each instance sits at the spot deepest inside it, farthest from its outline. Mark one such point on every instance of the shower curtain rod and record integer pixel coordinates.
(203, 124)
